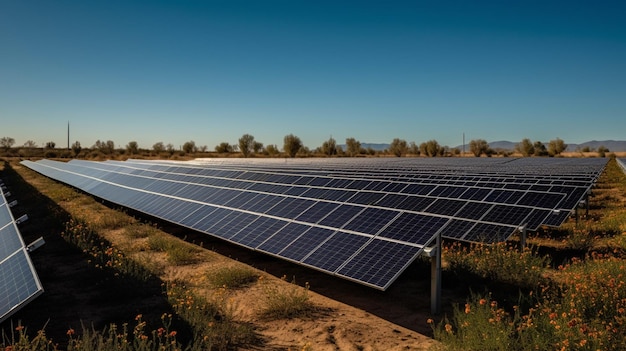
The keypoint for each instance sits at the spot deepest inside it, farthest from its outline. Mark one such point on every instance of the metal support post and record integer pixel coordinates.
(587, 205)
(522, 236)
(435, 278)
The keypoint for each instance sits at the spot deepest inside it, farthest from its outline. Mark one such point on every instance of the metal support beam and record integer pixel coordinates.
(435, 278)
(35, 244)
(587, 205)
(522, 236)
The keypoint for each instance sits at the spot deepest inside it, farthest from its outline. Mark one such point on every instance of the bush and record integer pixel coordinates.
(233, 277)
(290, 302)
(500, 262)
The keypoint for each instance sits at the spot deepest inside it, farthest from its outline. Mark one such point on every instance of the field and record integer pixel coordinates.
(102, 265)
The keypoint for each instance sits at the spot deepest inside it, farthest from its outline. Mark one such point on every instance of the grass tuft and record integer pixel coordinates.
(232, 277)
(285, 302)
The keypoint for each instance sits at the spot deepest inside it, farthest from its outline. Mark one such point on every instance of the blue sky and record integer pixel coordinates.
(210, 71)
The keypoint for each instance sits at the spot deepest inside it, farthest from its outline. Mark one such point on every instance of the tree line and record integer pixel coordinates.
(248, 146)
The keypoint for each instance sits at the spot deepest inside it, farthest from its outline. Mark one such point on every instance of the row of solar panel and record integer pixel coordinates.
(373, 252)
(301, 203)
(330, 176)
(309, 230)
(567, 168)
(439, 187)
(473, 198)
(19, 283)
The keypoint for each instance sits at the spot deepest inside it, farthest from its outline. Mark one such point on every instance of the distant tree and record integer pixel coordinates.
(586, 149)
(189, 147)
(540, 149)
(398, 147)
(556, 147)
(414, 148)
(602, 150)
(76, 148)
(158, 147)
(224, 148)
(170, 148)
(291, 145)
(30, 144)
(257, 147)
(132, 148)
(478, 147)
(272, 150)
(370, 151)
(203, 148)
(51, 145)
(106, 147)
(353, 147)
(304, 151)
(6, 143)
(431, 148)
(246, 144)
(329, 147)
(525, 147)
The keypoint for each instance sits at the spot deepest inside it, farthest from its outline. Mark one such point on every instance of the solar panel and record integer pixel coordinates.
(364, 220)
(19, 283)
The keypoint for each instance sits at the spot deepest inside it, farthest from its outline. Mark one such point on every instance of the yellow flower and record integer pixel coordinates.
(467, 308)
(448, 328)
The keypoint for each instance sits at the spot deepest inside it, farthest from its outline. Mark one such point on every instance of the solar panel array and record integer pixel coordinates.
(19, 283)
(365, 220)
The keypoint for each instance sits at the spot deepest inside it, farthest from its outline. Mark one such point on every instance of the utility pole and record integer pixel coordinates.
(68, 135)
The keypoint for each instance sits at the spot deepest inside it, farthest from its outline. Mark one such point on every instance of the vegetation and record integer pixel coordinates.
(353, 147)
(233, 277)
(246, 144)
(431, 148)
(525, 147)
(190, 147)
(289, 302)
(292, 144)
(398, 147)
(479, 147)
(329, 147)
(6, 143)
(556, 147)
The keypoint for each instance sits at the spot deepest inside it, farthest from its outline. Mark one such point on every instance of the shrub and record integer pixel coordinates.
(232, 277)
(500, 262)
(285, 302)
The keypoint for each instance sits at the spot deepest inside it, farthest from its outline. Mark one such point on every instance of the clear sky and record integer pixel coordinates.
(210, 71)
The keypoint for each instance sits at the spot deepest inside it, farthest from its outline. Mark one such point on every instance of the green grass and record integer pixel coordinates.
(232, 277)
(178, 252)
